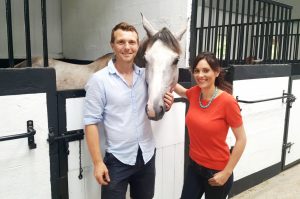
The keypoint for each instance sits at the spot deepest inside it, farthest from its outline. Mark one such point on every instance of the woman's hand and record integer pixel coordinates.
(219, 179)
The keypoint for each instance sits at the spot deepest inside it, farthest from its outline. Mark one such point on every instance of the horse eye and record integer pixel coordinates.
(175, 62)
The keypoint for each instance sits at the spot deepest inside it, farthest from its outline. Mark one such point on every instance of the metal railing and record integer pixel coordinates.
(30, 135)
(27, 32)
(290, 99)
(245, 31)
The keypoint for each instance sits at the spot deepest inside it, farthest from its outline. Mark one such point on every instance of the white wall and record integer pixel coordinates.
(87, 25)
(18, 28)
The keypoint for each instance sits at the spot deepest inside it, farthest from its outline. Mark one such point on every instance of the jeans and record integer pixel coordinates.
(196, 183)
(140, 177)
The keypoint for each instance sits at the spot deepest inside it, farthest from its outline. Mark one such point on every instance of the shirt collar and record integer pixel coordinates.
(112, 69)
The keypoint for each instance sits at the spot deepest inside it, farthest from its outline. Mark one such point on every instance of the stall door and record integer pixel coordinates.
(27, 108)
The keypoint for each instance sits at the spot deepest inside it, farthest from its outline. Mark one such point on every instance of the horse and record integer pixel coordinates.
(70, 76)
(159, 53)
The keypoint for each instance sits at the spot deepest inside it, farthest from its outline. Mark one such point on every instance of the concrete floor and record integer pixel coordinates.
(285, 185)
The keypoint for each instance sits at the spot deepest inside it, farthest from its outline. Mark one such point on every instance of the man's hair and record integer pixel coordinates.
(125, 27)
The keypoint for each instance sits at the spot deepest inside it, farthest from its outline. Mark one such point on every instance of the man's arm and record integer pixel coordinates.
(100, 169)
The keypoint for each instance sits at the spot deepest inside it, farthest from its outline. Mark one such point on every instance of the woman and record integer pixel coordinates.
(212, 111)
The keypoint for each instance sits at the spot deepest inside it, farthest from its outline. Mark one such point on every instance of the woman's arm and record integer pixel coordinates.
(180, 90)
(221, 178)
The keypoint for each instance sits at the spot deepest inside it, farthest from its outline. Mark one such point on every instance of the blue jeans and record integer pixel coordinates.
(196, 183)
(140, 177)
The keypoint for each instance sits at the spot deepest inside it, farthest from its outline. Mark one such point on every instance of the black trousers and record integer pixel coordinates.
(196, 183)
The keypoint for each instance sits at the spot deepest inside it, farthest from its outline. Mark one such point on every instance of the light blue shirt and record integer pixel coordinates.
(121, 109)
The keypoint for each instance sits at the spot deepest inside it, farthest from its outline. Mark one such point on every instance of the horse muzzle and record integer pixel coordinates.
(155, 113)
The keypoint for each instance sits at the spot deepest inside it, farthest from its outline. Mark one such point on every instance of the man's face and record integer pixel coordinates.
(125, 45)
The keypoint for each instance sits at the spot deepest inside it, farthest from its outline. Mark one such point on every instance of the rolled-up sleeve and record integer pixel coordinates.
(94, 101)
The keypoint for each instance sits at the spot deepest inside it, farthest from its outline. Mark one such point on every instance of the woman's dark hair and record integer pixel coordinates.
(215, 66)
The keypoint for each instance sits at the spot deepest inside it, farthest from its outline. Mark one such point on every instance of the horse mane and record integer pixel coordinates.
(163, 35)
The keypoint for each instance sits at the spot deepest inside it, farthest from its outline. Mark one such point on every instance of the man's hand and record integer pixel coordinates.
(168, 99)
(101, 174)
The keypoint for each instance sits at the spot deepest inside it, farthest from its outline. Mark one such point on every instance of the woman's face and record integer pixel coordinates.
(204, 75)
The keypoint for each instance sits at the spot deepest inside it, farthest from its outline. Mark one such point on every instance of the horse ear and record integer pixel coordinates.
(148, 27)
(179, 34)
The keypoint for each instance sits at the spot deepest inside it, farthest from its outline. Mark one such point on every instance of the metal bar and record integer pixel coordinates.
(223, 29)
(286, 37)
(290, 32)
(267, 33)
(271, 33)
(194, 31)
(27, 33)
(208, 46)
(257, 31)
(281, 38)
(297, 42)
(265, 100)
(10, 47)
(228, 35)
(30, 135)
(247, 29)
(276, 36)
(241, 35)
(68, 136)
(252, 29)
(262, 33)
(17, 136)
(200, 46)
(216, 25)
(235, 40)
(291, 40)
(45, 39)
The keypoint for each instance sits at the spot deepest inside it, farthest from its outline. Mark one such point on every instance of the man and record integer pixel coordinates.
(116, 97)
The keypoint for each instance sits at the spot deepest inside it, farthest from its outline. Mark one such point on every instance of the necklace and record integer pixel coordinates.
(210, 101)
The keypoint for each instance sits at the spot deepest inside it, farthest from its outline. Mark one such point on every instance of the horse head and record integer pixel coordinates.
(160, 54)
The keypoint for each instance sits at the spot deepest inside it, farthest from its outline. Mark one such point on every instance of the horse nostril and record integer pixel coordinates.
(161, 112)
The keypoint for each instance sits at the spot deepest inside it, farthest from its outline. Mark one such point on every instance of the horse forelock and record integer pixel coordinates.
(167, 38)
(163, 35)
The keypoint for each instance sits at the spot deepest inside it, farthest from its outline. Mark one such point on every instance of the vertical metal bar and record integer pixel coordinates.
(200, 47)
(258, 31)
(262, 32)
(247, 29)
(228, 36)
(10, 46)
(194, 31)
(267, 33)
(241, 37)
(286, 31)
(235, 40)
(45, 40)
(223, 31)
(27, 33)
(252, 30)
(208, 45)
(276, 54)
(290, 33)
(297, 42)
(271, 31)
(217, 28)
(281, 36)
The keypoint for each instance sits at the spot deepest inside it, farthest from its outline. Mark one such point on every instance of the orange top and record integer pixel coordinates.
(208, 128)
